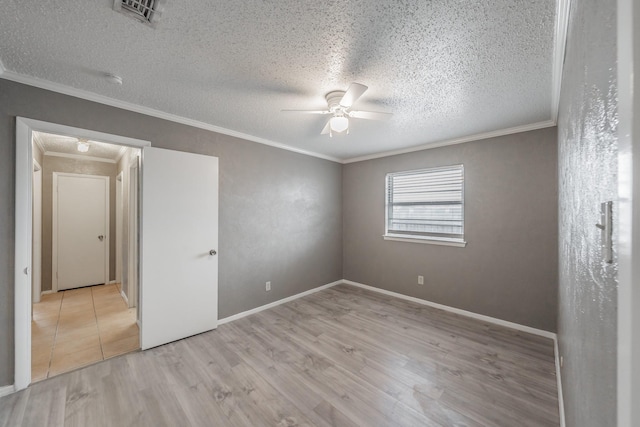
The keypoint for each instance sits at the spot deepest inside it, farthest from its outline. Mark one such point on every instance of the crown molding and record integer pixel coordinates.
(469, 138)
(37, 139)
(123, 150)
(560, 43)
(105, 100)
(79, 157)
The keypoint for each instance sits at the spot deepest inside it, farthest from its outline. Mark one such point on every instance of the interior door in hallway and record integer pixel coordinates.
(80, 230)
(178, 251)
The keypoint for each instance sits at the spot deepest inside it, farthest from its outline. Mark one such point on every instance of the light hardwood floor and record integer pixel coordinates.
(340, 357)
(75, 328)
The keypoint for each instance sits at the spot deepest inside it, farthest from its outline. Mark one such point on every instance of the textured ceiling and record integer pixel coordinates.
(68, 145)
(445, 68)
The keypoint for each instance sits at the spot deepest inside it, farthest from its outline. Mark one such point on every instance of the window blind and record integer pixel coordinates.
(426, 203)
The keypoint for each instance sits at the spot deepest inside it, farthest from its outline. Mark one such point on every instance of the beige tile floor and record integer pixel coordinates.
(74, 328)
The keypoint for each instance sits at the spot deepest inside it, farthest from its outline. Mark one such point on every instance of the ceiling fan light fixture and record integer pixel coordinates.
(339, 124)
(83, 145)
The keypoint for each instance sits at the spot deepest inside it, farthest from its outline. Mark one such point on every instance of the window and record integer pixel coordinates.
(426, 205)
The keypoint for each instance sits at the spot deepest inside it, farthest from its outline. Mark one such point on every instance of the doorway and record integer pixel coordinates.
(81, 312)
(178, 235)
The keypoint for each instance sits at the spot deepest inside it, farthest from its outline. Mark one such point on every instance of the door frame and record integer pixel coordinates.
(24, 229)
(133, 268)
(36, 258)
(119, 225)
(54, 222)
(628, 351)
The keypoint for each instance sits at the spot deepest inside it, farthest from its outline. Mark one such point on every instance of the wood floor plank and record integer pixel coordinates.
(341, 357)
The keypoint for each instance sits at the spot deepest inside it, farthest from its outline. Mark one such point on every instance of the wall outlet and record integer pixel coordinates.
(420, 280)
(267, 286)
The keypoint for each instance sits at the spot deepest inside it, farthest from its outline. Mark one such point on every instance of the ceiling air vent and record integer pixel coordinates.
(146, 11)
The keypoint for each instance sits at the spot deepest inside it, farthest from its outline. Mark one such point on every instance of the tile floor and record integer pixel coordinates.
(75, 328)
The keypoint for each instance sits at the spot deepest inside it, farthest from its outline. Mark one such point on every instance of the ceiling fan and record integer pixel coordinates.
(340, 103)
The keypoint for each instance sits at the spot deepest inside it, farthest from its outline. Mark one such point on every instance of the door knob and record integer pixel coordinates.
(212, 252)
(101, 237)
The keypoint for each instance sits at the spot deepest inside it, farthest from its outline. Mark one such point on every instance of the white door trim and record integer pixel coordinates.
(23, 230)
(54, 222)
(628, 384)
(37, 232)
(119, 225)
(133, 271)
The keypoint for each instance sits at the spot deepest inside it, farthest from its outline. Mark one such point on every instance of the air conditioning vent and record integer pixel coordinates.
(146, 11)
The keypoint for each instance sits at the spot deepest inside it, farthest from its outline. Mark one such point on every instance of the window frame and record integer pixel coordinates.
(420, 238)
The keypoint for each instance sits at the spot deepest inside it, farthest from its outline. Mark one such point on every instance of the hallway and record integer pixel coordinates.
(78, 327)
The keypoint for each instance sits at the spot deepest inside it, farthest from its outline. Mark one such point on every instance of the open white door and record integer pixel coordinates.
(179, 232)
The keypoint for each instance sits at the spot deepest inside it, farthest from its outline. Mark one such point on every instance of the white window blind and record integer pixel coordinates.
(426, 203)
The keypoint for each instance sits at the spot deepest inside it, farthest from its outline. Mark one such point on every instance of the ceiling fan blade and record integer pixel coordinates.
(370, 115)
(354, 92)
(307, 111)
(326, 129)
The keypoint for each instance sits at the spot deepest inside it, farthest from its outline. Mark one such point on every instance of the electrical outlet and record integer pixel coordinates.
(420, 280)
(267, 286)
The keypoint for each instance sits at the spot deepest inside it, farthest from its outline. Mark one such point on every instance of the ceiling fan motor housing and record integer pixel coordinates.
(333, 100)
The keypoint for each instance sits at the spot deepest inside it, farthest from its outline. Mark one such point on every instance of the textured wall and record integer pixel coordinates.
(464, 66)
(509, 267)
(280, 212)
(587, 164)
(53, 164)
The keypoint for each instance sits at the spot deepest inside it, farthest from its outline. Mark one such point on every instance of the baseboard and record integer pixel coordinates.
(7, 390)
(124, 297)
(482, 317)
(50, 291)
(111, 282)
(276, 303)
(487, 319)
(556, 351)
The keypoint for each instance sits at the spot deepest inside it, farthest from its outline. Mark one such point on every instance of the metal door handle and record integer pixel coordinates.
(101, 237)
(212, 252)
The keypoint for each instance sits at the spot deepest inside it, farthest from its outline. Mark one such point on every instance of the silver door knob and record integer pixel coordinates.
(101, 237)
(212, 252)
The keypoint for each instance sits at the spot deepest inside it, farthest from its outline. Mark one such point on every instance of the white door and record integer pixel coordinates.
(179, 232)
(80, 230)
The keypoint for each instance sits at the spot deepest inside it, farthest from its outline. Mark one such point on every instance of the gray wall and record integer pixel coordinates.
(280, 212)
(587, 165)
(53, 164)
(508, 269)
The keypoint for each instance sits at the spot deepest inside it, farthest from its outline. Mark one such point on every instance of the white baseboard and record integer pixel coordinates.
(482, 317)
(6, 390)
(556, 351)
(50, 291)
(276, 303)
(487, 319)
(124, 297)
(470, 314)
(111, 282)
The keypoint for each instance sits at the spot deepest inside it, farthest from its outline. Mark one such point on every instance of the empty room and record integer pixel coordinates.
(298, 213)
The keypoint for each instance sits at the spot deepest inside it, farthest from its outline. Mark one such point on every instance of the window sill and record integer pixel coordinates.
(426, 240)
